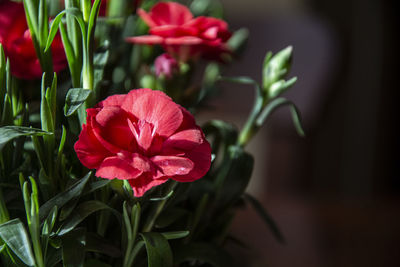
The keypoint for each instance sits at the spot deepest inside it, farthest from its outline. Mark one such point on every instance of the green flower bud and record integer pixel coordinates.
(276, 67)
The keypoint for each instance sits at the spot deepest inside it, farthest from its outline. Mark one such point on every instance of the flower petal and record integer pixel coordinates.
(143, 183)
(123, 166)
(89, 150)
(111, 128)
(145, 39)
(182, 141)
(156, 108)
(169, 13)
(171, 165)
(201, 156)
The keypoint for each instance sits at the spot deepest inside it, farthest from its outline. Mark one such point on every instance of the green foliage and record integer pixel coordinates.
(64, 216)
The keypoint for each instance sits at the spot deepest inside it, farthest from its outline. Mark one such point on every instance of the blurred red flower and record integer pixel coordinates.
(18, 46)
(143, 137)
(172, 25)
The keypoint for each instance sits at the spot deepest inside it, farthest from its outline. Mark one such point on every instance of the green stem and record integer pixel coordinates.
(157, 210)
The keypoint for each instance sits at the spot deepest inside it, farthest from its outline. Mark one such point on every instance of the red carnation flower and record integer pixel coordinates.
(143, 137)
(172, 25)
(18, 46)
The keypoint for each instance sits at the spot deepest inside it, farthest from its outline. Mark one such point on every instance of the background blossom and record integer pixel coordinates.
(18, 46)
(173, 26)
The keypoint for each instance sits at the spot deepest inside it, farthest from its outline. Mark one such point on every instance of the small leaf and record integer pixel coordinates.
(239, 79)
(74, 99)
(238, 40)
(14, 235)
(175, 234)
(266, 217)
(62, 198)
(73, 248)
(8, 133)
(53, 29)
(159, 253)
(276, 103)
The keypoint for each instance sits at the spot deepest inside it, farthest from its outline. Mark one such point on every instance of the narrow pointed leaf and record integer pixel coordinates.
(266, 217)
(53, 29)
(82, 211)
(8, 133)
(62, 198)
(15, 236)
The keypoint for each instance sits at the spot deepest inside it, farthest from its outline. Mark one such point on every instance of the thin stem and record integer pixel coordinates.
(158, 208)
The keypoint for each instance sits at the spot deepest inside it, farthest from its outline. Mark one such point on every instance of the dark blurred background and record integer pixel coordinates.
(335, 193)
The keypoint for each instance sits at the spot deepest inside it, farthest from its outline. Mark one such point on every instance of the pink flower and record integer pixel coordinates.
(145, 138)
(18, 46)
(172, 25)
(165, 65)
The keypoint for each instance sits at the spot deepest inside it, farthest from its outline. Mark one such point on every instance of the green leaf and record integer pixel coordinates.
(276, 103)
(175, 234)
(8, 133)
(48, 228)
(62, 198)
(73, 248)
(98, 244)
(233, 182)
(239, 79)
(238, 40)
(159, 253)
(269, 221)
(53, 29)
(204, 252)
(14, 235)
(99, 63)
(81, 212)
(92, 20)
(74, 99)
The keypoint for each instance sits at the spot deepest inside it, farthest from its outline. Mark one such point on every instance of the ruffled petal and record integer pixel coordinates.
(156, 108)
(182, 141)
(171, 165)
(171, 13)
(89, 150)
(144, 183)
(173, 31)
(117, 167)
(114, 100)
(201, 156)
(145, 39)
